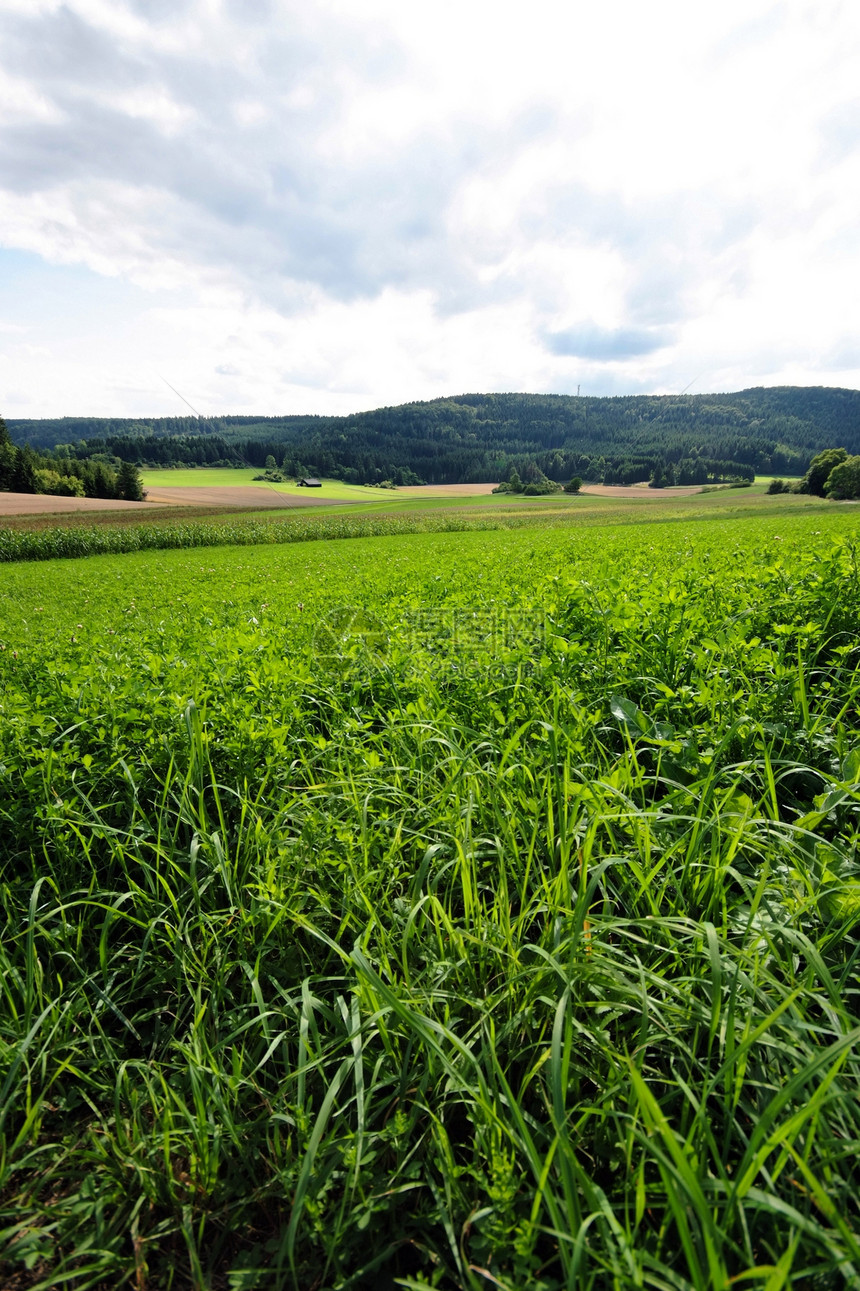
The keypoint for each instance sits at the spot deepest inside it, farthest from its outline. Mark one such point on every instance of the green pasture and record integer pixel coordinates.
(436, 909)
(226, 477)
(221, 477)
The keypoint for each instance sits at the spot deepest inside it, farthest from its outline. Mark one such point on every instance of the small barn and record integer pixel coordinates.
(309, 482)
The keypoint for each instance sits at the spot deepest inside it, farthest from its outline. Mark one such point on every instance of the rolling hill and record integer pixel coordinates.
(477, 437)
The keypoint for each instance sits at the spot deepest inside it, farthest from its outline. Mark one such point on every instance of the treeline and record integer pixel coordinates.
(691, 439)
(831, 474)
(22, 470)
(214, 451)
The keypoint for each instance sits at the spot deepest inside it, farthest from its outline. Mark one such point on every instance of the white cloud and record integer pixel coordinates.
(336, 204)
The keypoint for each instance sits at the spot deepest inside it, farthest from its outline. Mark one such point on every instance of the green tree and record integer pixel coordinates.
(574, 485)
(7, 457)
(843, 482)
(128, 482)
(24, 472)
(64, 486)
(819, 471)
(100, 481)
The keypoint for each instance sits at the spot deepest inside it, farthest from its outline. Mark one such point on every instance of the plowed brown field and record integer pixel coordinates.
(25, 504)
(442, 490)
(239, 496)
(640, 491)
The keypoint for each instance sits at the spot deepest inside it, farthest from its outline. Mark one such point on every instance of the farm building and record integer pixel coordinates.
(310, 483)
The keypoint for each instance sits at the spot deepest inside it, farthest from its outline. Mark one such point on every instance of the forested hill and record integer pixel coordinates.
(477, 437)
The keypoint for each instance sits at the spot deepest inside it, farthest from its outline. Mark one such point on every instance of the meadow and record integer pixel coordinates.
(461, 909)
(230, 477)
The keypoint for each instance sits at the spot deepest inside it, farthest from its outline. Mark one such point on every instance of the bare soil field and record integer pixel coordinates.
(442, 490)
(640, 491)
(20, 504)
(235, 496)
(599, 490)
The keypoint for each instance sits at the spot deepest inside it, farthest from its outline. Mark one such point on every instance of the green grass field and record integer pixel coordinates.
(452, 909)
(221, 477)
(225, 477)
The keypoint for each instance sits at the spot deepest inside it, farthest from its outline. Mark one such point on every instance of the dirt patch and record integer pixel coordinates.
(21, 504)
(441, 490)
(640, 491)
(239, 496)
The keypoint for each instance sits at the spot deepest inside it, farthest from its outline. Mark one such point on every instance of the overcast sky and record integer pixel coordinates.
(327, 205)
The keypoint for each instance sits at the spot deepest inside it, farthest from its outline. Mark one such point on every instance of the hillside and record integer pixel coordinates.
(476, 437)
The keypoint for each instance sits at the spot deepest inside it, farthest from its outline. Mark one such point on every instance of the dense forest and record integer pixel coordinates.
(27, 470)
(683, 439)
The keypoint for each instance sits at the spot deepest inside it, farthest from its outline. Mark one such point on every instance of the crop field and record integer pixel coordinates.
(41, 538)
(27, 505)
(464, 909)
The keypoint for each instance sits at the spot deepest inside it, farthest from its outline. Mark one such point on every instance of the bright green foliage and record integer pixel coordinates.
(68, 486)
(815, 479)
(474, 909)
(844, 480)
(512, 485)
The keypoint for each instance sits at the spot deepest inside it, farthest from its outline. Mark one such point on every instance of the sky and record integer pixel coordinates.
(276, 207)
